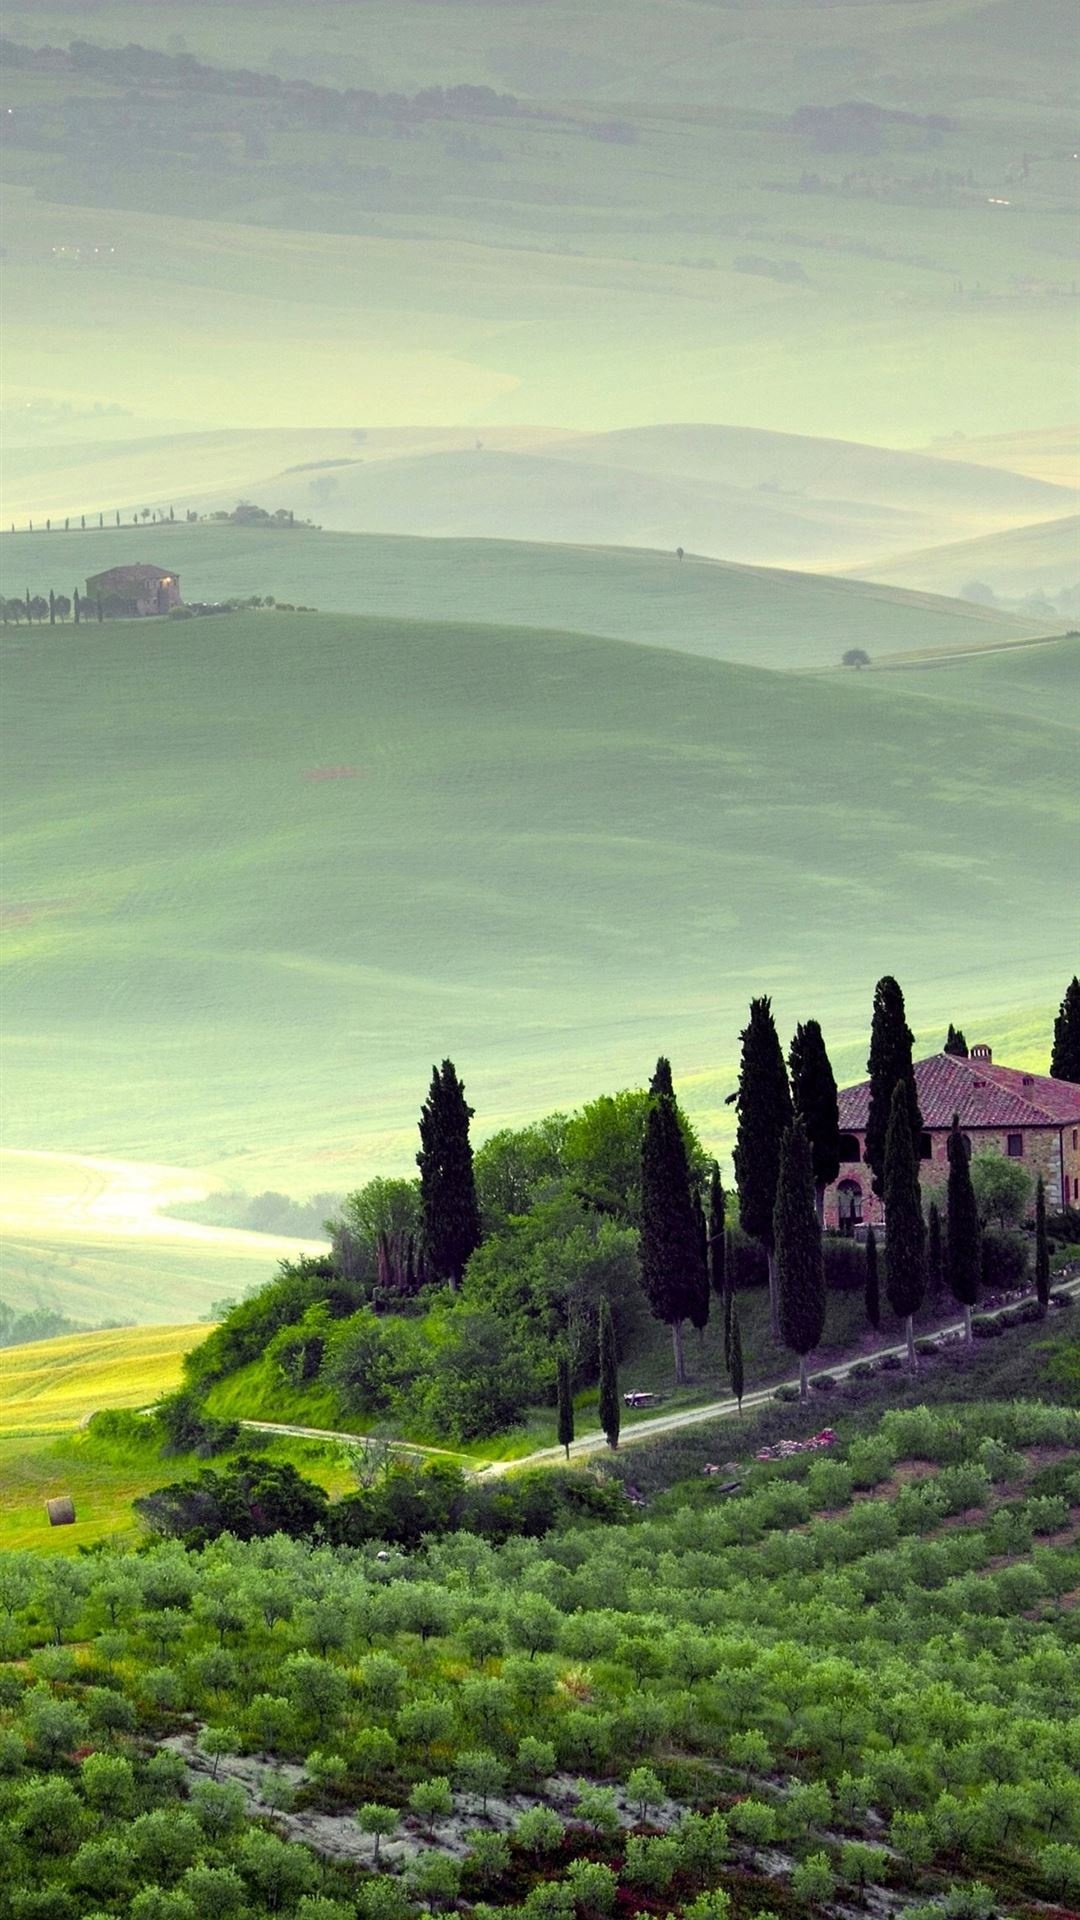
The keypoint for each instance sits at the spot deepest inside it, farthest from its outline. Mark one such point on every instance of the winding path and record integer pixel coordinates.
(649, 1429)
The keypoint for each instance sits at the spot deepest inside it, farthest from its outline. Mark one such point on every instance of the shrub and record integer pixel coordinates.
(845, 1264)
(985, 1326)
(1005, 1259)
(814, 1879)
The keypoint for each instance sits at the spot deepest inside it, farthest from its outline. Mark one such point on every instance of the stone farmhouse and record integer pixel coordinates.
(134, 592)
(1027, 1116)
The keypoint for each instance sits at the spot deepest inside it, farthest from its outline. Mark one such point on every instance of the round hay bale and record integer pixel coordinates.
(61, 1512)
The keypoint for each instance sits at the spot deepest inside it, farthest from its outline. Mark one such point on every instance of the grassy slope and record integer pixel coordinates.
(1033, 681)
(1016, 561)
(52, 1385)
(526, 269)
(754, 615)
(549, 855)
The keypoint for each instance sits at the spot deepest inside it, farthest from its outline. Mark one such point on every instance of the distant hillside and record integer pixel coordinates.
(750, 614)
(1044, 558)
(734, 493)
(1052, 455)
(262, 870)
(1024, 680)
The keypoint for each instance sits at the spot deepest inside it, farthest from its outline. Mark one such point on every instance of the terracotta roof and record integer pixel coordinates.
(137, 572)
(982, 1094)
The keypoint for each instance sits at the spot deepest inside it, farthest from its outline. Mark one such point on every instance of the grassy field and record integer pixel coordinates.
(1018, 560)
(263, 870)
(638, 239)
(53, 1385)
(750, 614)
(1028, 680)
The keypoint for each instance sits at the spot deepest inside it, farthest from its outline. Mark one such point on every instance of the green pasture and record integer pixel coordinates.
(647, 238)
(263, 869)
(750, 614)
(1015, 561)
(92, 1277)
(1039, 681)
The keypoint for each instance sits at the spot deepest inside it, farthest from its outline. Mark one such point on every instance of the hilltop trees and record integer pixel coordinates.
(800, 1273)
(813, 1093)
(1065, 1057)
(763, 1103)
(906, 1249)
(889, 1065)
(450, 1213)
(962, 1244)
(673, 1271)
(955, 1043)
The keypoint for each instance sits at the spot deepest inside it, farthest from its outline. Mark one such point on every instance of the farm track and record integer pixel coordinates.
(652, 1428)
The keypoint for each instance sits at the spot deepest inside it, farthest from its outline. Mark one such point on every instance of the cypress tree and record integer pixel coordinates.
(662, 1082)
(1065, 1058)
(717, 1235)
(889, 1064)
(813, 1093)
(729, 1316)
(905, 1243)
(698, 1314)
(610, 1406)
(872, 1288)
(451, 1215)
(935, 1253)
(763, 1103)
(955, 1043)
(565, 1400)
(735, 1366)
(962, 1243)
(1042, 1248)
(672, 1255)
(77, 605)
(800, 1270)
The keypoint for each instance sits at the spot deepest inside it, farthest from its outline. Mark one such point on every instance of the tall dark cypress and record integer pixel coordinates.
(735, 1364)
(1065, 1058)
(717, 1235)
(1042, 1248)
(935, 1253)
(698, 1314)
(963, 1241)
(662, 1081)
(800, 1272)
(905, 1232)
(813, 1093)
(763, 1103)
(872, 1290)
(564, 1400)
(451, 1215)
(610, 1405)
(955, 1043)
(672, 1255)
(889, 1064)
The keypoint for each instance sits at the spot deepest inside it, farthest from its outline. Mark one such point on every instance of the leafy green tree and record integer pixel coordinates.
(955, 1043)
(1065, 1057)
(672, 1256)
(564, 1394)
(644, 1791)
(814, 1097)
(610, 1404)
(963, 1254)
(449, 1207)
(480, 1773)
(432, 1800)
(1042, 1248)
(814, 1879)
(49, 1815)
(765, 1112)
(871, 1284)
(516, 1167)
(594, 1886)
(1002, 1188)
(107, 1784)
(279, 1873)
(379, 1821)
(539, 1831)
(904, 1226)
(862, 1864)
(596, 1807)
(800, 1272)
(217, 1741)
(489, 1855)
(434, 1878)
(889, 1065)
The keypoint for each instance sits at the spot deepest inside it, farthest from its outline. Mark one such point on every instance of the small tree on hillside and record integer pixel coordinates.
(905, 1261)
(872, 1293)
(855, 657)
(765, 1112)
(610, 1405)
(1065, 1058)
(451, 1215)
(963, 1256)
(565, 1400)
(955, 1043)
(800, 1272)
(889, 1064)
(1042, 1248)
(813, 1093)
(672, 1256)
(1002, 1188)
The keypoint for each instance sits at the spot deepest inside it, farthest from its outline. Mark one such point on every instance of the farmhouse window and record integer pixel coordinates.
(1014, 1146)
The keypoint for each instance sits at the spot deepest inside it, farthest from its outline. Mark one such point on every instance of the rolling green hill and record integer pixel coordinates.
(748, 614)
(822, 219)
(1039, 681)
(1019, 560)
(262, 870)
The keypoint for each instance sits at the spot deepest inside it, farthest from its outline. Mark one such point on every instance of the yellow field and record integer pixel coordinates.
(53, 1385)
